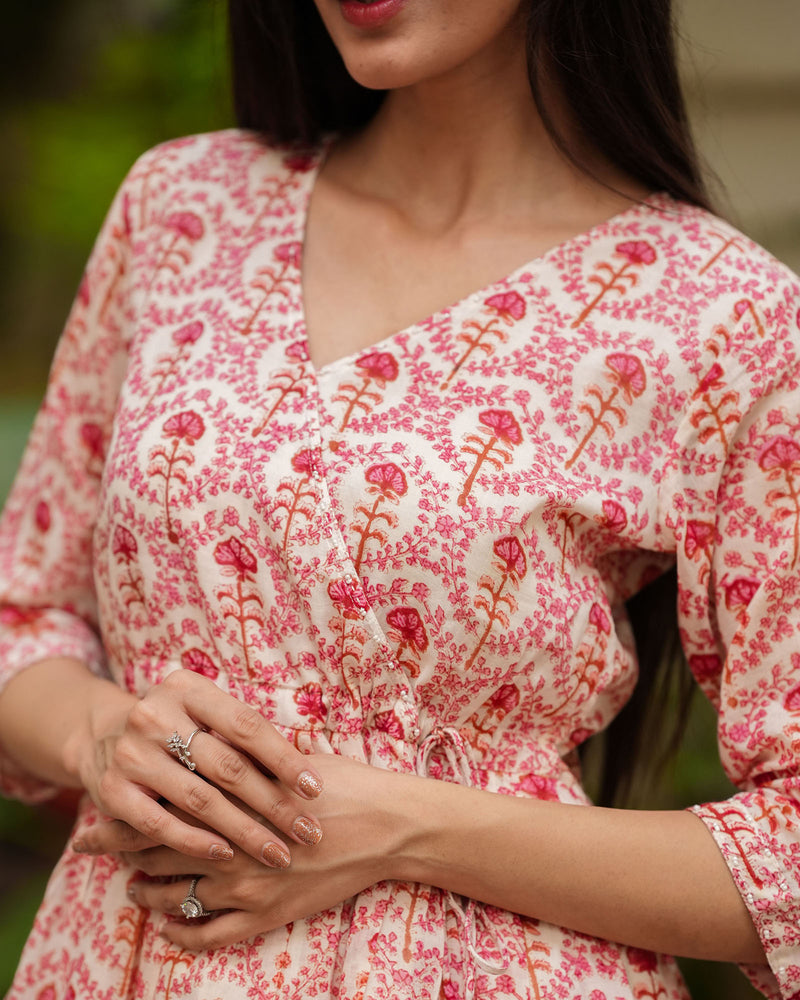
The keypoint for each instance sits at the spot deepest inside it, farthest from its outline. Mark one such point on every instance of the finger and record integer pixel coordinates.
(245, 728)
(162, 861)
(231, 770)
(158, 826)
(202, 801)
(165, 897)
(226, 929)
(111, 837)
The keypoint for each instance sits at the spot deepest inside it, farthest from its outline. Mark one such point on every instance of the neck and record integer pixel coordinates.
(464, 145)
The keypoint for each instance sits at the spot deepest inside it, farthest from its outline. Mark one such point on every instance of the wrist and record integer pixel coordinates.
(105, 708)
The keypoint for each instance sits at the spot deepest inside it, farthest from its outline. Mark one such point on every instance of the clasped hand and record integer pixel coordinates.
(230, 800)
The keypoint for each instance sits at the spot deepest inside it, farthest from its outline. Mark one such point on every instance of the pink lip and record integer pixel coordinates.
(372, 15)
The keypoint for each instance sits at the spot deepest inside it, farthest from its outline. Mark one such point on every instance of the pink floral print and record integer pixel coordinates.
(417, 556)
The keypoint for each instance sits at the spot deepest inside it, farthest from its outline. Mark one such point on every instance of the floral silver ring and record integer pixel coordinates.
(181, 750)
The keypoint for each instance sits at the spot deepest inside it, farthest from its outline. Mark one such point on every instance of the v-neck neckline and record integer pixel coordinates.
(655, 200)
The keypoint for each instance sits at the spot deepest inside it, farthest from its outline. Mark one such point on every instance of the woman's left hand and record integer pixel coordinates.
(363, 833)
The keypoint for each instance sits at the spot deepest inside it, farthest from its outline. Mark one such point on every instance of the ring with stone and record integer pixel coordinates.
(191, 907)
(181, 750)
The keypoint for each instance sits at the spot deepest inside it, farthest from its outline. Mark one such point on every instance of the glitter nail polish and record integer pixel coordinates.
(307, 831)
(309, 784)
(276, 856)
(219, 852)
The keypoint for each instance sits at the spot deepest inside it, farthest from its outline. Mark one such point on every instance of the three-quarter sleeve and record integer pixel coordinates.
(47, 597)
(735, 511)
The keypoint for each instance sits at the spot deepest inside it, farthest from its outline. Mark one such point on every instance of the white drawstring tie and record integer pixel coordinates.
(452, 744)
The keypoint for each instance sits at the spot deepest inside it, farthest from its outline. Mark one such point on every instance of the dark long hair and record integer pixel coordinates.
(613, 63)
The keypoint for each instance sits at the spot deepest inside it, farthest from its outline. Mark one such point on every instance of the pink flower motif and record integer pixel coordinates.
(510, 552)
(791, 700)
(297, 351)
(408, 623)
(641, 960)
(387, 722)
(308, 699)
(348, 599)
(200, 663)
(41, 516)
(188, 334)
(235, 556)
(628, 373)
(124, 543)
(614, 517)
(187, 224)
(14, 616)
(538, 786)
(389, 479)
(300, 162)
(740, 592)
(599, 619)
(289, 253)
(705, 666)
(636, 252)
(510, 305)
(188, 425)
(48, 993)
(597, 995)
(741, 307)
(92, 437)
(504, 698)
(781, 452)
(712, 378)
(699, 537)
(503, 425)
(380, 366)
(304, 462)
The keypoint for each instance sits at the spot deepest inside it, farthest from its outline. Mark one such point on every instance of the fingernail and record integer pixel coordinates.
(309, 784)
(219, 852)
(307, 831)
(80, 846)
(276, 855)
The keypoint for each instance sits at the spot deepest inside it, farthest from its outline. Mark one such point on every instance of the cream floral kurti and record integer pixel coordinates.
(416, 556)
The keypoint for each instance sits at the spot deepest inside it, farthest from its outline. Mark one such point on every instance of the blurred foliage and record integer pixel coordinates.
(85, 87)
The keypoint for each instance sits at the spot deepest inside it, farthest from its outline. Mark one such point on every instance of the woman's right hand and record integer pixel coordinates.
(124, 762)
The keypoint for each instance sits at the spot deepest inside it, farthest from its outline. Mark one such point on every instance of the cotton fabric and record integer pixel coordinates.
(416, 556)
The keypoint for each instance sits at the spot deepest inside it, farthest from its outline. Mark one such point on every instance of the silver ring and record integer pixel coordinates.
(191, 907)
(181, 750)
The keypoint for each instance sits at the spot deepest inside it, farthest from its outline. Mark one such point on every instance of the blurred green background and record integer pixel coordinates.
(87, 85)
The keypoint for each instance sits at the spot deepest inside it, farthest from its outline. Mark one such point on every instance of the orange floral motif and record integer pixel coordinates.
(186, 427)
(501, 433)
(512, 565)
(507, 307)
(627, 375)
(185, 227)
(125, 547)
(635, 253)
(271, 281)
(711, 415)
(780, 459)
(298, 498)
(185, 337)
(387, 483)
(241, 603)
(377, 368)
(408, 631)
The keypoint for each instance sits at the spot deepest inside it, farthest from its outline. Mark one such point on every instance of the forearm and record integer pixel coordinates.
(52, 712)
(654, 880)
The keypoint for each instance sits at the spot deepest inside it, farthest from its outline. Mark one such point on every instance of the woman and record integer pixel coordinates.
(403, 532)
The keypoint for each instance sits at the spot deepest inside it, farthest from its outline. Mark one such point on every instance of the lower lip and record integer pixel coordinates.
(370, 15)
